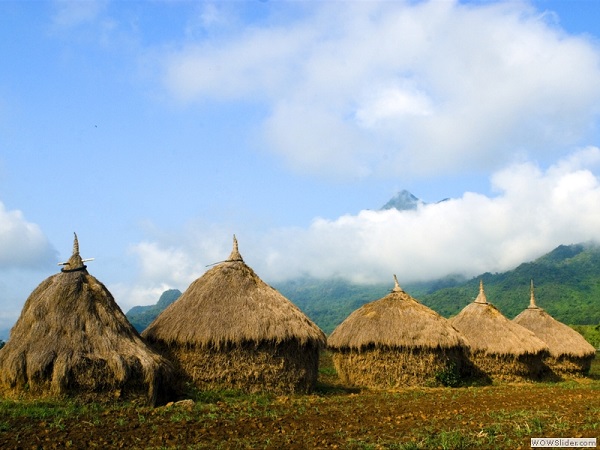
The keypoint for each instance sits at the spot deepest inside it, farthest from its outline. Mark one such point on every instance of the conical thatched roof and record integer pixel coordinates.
(72, 338)
(395, 321)
(491, 332)
(230, 304)
(560, 338)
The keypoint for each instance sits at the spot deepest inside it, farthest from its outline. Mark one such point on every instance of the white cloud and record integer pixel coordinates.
(25, 256)
(533, 211)
(435, 86)
(69, 13)
(22, 243)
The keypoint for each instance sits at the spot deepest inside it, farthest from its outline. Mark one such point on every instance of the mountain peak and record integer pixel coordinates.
(403, 201)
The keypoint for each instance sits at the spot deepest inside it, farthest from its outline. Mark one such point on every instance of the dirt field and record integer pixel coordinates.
(503, 416)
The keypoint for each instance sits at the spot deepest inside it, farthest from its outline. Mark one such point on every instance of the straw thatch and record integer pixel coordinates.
(230, 329)
(503, 350)
(395, 341)
(570, 354)
(73, 339)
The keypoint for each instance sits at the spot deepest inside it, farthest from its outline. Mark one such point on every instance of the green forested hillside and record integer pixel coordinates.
(141, 316)
(328, 302)
(567, 286)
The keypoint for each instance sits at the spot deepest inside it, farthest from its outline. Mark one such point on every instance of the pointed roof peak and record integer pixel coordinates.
(75, 244)
(75, 262)
(397, 287)
(481, 298)
(532, 304)
(235, 253)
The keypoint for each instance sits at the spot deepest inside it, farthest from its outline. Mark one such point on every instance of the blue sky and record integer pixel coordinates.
(158, 129)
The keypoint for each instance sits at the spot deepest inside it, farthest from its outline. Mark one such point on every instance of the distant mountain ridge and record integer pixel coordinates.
(142, 316)
(403, 201)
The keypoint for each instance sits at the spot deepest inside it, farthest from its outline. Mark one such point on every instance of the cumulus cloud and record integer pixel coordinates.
(381, 88)
(22, 243)
(533, 211)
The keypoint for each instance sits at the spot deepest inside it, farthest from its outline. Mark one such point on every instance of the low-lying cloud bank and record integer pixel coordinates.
(533, 211)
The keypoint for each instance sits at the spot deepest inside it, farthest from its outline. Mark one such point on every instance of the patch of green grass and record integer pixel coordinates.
(39, 409)
(329, 371)
(57, 424)
(122, 421)
(180, 416)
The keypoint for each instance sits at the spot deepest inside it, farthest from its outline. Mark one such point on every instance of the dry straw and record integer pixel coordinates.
(503, 350)
(230, 329)
(570, 354)
(395, 341)
(73, 339)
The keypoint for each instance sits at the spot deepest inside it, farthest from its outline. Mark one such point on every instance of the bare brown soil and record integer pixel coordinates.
(502, 416)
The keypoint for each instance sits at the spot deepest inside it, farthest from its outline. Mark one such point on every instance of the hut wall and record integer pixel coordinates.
(282, 368)
(91, 378)
(383, 368)
(510, 368)
(565, 366)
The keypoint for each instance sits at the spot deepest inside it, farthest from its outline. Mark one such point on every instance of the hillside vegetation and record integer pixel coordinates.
(567, 286)
(141, 316)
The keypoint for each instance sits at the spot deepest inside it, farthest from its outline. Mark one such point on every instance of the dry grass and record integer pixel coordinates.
(73, 339)
(283, 368)
(395, 341)
(397, 320)
(230, 329)
(570, 353)
(499, 348)
(384, 368)
(487, 330)
(231, 304)
(509, 368)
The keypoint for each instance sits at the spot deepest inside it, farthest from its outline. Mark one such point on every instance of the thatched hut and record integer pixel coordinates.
(500, 348)
(230, 329)
(570, 354)
(73, 339)
(396, 341)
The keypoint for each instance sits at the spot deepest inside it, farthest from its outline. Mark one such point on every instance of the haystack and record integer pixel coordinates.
(73, 339)
(570, 354)
(503, 350)
(396, 341)
(230, 330)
